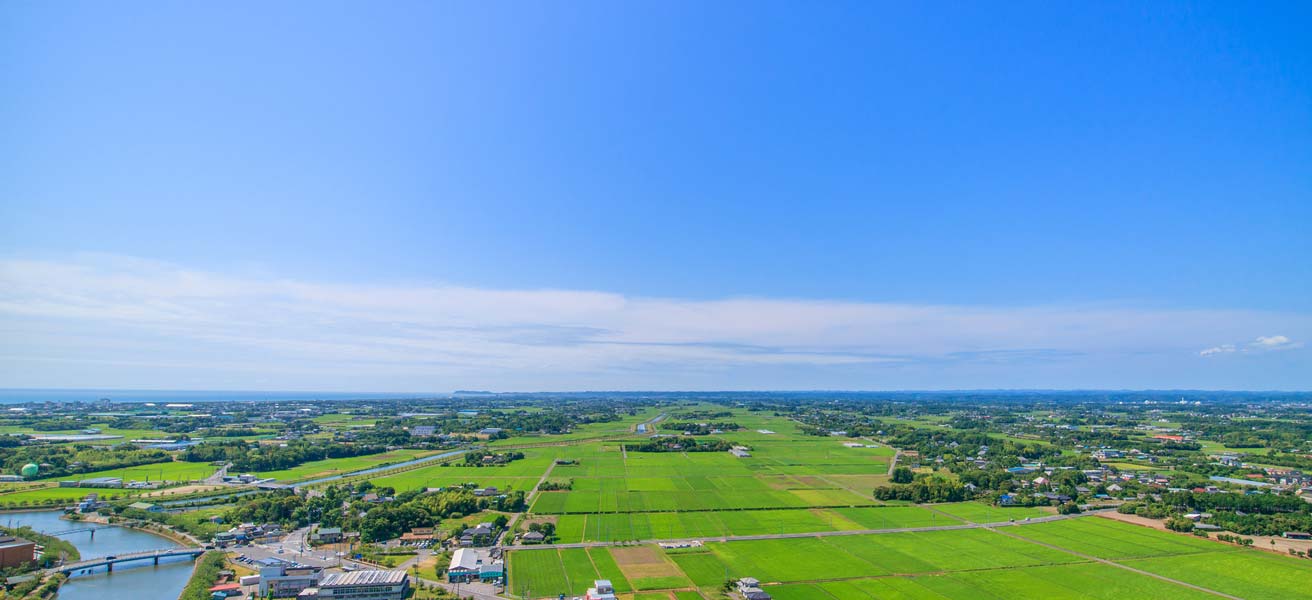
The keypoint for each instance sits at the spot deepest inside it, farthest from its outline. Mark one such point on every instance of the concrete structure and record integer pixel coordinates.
(16, 552)
(361, 585)
(279, 581)
(146, 506)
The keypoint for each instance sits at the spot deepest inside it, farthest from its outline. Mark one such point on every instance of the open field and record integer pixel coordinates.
(337, 466)
(58, 495)
(522, 474)
(605, 527)
(176, 471)
(981, 512)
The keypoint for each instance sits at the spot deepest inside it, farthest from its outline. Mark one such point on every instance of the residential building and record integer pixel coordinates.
(601, 590)
(327, 535)
(533, 537)
(423, 431)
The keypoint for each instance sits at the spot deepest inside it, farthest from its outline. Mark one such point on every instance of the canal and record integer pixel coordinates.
(133, 581)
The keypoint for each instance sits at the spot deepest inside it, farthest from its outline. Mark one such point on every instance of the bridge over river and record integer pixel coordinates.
(109, 561)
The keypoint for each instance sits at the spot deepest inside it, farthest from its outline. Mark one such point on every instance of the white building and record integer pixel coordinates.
(601, 590)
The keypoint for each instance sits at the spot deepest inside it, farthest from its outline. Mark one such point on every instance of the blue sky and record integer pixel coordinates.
(431, 196)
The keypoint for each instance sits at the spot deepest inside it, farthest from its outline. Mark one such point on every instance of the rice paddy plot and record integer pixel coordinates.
(1246, 573)
(1105, 538)
(980, 512)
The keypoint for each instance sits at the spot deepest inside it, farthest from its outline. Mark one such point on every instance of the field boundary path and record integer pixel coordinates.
(528, 504)
(809, 534)
(1116, 564)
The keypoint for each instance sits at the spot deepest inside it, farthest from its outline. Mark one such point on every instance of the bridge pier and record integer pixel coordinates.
(110, 566)
(157, 559)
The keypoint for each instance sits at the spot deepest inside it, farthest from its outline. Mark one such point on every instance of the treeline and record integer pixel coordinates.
(204, 576)
(681, 444)
(925, 489)
(701, 428)
(1248, 514)
(342, 506)
(479, 459)
(258, 457)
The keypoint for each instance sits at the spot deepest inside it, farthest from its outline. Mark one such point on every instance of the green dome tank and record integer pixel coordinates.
(30, 470)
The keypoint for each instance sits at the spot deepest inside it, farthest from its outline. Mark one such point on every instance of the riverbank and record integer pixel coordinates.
(140, 582)
(203, 575)
(151, 527)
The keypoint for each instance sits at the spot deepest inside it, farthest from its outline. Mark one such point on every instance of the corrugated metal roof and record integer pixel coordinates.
(363, 578)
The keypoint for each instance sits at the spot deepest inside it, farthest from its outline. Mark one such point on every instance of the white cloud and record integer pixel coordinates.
(1273, 342)
(1263, 343)
(135, 314)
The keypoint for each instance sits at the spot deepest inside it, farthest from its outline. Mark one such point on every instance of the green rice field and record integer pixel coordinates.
(965, 563)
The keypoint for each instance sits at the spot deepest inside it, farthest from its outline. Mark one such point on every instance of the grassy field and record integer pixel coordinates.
(980, 512)
(337, 466)
(176, 471)
(57, 495)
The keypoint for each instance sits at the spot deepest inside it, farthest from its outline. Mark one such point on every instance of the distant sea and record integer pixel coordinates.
(18, 396)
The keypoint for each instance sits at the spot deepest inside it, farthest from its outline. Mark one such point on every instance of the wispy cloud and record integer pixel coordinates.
(104, 309)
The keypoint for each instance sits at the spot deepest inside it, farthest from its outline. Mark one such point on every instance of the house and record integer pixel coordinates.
(418, 534)
(361, 585)
(601, 590)
(740, 452)
(146, 506)
(423, 431)
(490, 431)
(468, 564)
(480, 535)
(487, 491)
(1297, 535)
(327, 535)
(1006, 500)
(755, 594)
(533, 537)
(16, 552)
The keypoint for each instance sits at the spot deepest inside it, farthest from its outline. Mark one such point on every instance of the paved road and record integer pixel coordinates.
(781, 536)
(217, 477)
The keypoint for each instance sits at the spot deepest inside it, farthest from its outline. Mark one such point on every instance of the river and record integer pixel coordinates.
(134, 581)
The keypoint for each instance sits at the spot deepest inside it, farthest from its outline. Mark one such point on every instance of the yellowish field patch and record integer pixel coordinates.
(644, 561)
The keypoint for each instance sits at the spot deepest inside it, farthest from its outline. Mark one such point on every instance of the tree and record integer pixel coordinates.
(903, 475)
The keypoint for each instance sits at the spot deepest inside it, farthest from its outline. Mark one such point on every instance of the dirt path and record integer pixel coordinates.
(1116, 564)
